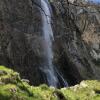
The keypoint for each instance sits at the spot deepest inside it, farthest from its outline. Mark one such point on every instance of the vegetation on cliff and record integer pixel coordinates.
(12, 87)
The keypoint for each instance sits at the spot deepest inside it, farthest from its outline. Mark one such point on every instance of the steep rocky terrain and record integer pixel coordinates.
(76, 52)
(20, 37)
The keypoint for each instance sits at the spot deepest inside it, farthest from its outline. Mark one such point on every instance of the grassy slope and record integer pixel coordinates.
(13, 88)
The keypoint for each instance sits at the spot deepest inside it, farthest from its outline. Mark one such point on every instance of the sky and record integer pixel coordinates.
(95, 1)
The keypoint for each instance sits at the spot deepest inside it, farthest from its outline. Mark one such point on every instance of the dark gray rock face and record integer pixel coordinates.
(77, 52)
(20, 37)
(21, 42)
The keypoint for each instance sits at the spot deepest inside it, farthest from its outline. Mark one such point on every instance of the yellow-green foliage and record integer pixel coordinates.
(86, 90)
(13, 88)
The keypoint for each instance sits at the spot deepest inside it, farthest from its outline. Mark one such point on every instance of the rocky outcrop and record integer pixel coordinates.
(12, 87)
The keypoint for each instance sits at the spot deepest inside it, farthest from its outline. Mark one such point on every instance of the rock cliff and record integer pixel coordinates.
(76, 52)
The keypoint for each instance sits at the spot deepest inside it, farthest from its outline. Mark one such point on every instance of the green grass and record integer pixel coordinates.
(13, 88)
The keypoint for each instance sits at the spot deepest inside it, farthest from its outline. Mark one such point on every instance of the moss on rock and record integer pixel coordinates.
(13, 88)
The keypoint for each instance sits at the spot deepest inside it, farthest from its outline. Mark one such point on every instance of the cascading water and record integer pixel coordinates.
(48, 37)
(51, 74)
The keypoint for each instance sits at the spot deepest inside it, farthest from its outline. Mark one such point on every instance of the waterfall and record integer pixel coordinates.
(48, 67)
(48, 37)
